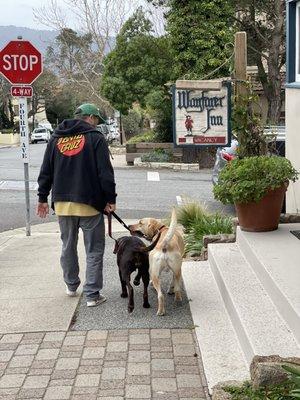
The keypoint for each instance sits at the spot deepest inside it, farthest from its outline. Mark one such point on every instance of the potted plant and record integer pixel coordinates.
(256, 186)
(255, 182)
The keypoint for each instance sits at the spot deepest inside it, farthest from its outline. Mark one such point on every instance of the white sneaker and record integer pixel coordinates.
(96, 302)
(70, 293)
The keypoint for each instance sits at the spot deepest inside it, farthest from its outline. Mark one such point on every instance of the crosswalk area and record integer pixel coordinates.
(17, 185)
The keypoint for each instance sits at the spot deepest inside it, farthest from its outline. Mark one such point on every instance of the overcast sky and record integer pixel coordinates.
(20, 12)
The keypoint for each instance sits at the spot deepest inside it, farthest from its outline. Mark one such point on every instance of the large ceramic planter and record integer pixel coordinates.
(264, 215)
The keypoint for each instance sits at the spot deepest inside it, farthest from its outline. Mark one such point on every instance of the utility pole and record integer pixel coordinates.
(240, 63)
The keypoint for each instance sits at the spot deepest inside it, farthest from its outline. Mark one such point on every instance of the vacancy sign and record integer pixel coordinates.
(20, 62)
(201, 111)
(21, 91)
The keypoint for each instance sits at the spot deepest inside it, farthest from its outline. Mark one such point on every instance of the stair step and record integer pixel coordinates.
(275, 261)
(222, 356)
(259, 327)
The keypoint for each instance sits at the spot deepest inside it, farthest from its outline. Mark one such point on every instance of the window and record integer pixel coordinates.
(297, 44)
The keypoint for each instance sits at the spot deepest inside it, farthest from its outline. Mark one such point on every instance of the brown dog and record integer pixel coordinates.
(168, 253)
(132, 254)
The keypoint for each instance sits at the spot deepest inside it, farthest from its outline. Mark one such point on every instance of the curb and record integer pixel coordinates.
(9, 146)
(159, 165)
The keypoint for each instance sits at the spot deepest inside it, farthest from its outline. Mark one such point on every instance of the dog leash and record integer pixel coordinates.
(109, 219)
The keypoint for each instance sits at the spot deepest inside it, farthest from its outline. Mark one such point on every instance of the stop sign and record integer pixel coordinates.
(20, 62)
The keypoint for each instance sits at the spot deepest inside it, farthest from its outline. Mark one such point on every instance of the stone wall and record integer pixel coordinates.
(9, 138)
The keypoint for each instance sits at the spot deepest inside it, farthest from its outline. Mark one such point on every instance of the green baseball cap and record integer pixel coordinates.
(88, 109)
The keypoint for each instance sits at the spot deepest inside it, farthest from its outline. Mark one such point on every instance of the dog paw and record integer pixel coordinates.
(146, 305)
(160, 313)
(130, 310)
(178, 297)
(136, 282)
(124, 295)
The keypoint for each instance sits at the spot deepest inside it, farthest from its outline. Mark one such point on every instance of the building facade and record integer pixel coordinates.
(293, 100)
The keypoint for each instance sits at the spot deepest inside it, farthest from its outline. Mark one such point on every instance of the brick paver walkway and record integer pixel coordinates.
(119, 364)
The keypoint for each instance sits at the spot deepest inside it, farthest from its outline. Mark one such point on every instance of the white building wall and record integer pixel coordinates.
(293, 146)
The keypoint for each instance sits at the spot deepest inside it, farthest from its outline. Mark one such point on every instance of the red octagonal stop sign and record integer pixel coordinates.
(20, 62)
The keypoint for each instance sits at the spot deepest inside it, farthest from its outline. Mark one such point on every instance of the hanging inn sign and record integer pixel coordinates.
(202, 113)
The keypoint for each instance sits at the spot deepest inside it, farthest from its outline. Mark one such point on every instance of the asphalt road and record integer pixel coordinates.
(137, 196)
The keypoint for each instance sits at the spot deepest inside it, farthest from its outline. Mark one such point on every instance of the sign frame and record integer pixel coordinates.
(21, 87)
(22, 43)
(228, 86)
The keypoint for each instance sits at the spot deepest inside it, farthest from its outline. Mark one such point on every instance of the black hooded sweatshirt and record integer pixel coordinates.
(77, 166)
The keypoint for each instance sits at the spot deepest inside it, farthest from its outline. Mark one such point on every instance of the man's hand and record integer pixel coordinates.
(109, 208)
(42, 210)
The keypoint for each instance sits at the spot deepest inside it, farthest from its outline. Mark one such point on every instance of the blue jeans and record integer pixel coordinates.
(94, 242)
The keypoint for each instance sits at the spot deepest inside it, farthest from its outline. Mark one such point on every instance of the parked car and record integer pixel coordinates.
(45, 124)
(110, 133)
(40, 134)
(226, 154)
(223, 156)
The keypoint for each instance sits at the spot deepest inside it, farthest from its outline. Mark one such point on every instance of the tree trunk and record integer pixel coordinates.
(274, 62)
(274, 108)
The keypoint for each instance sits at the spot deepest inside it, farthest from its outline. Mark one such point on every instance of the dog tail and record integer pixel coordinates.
(152, 245)
(171, 230)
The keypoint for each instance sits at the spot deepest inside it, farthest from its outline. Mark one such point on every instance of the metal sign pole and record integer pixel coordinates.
(24, 134)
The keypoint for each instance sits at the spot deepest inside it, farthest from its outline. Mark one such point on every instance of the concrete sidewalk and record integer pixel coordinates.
(41, 358)
(31, 285)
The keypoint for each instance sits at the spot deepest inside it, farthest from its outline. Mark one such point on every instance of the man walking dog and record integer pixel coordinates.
(77, 168)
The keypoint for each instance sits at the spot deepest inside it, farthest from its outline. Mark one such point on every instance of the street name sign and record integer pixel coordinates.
(202, 113)
(20, 62)
(21, 91)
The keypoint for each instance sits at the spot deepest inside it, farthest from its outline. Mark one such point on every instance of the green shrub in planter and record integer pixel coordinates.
(147, 137)
(247, 392)
(157, 155)
(198, 222)
(249, 179)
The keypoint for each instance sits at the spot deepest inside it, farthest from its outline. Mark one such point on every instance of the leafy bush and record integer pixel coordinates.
(248, 126)
(247, 392)
(294, 379)
(147, 137)
(249, 179)
(157, 155)
(159, 107)
(132, 123)
(198, 222)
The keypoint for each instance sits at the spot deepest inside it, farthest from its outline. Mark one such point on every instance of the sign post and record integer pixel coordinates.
(24, 135)
(21, 64)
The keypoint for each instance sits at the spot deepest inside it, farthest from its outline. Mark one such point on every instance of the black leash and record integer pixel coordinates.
(109, 218)
(120, 220)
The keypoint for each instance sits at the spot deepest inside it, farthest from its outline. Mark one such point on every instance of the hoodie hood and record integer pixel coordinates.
(73, 127)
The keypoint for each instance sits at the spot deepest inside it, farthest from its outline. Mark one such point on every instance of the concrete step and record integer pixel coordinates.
(274, 257)
(258, 325)
(222, 356)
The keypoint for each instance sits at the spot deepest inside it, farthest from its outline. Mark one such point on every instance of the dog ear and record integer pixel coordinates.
(152, 228)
